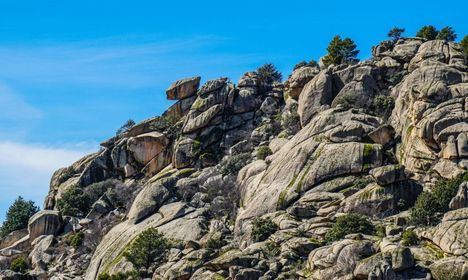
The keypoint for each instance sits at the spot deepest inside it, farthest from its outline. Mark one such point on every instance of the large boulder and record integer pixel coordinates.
(451, 234)
(450, 268)
(338, 260)
(298, 79)
(42, 253)
(13, 237)
(45, 222)
(461, 198)
(151, 151)
(184, 88)
(388, 174)
(316, 94)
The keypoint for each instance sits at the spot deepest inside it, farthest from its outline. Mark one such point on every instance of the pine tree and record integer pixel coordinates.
(464, 45)
(341, 51)
(395, 33)
(427, 32)
(268, 74)
(18, 216)
(447, 34)
(148, 248)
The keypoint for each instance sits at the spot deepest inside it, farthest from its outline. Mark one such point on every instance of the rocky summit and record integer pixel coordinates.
(343, 171)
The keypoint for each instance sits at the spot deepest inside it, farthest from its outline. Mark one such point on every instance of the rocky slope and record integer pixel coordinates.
(202, 172)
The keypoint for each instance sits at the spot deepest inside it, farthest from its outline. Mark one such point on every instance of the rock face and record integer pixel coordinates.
(254, 180)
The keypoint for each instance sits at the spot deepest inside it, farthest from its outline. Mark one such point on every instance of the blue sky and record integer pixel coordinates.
(71, 72)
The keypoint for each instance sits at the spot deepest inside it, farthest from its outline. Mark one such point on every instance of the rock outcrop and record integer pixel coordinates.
(251, 180)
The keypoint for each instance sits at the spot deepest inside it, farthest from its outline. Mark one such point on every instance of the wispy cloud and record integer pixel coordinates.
(123, 62)
(26, 169)
(13, 107)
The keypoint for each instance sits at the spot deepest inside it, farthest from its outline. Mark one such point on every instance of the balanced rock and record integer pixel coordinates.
(184, 88)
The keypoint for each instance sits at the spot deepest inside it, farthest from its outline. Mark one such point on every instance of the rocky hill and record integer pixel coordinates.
(341, 172)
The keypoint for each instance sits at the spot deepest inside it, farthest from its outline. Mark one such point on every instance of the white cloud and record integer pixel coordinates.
(37, 158)
(26, 169)
(13, 107)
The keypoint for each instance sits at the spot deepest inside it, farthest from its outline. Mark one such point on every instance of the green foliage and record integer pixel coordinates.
(347, 101)
(215, 242)
(380, 231)
(74, 202)
(304, 63)
(409, 238)
(341, 51)
(262, 229)
(425, 209)
(350, 223)
(464, 45)
(268, 74)
(427, 32)
(263, 152)
(119, 276)
(291, 123)
(430, 206)
(125, 127)
(233, 164)
(76, 239)
(19, 264)
(447, 34)
(163, 122)
(395, 33)
(150, 247)
(17, 216)
(382, 105)
(77, 202)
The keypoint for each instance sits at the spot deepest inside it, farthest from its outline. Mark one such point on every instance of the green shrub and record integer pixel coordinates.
(291, 123)
(150, 247)
(464, 45)
(215, 242)
(395, 33)
(409, 238)
(380, 231)
(263, 152)
(427, 32)
(19, 264)
(77, 201)
(447, 34)
(17, 216)
(74, 202)
(268, 74)
(262, 229)
(382, 105)
(76, 239)
(430, 206)
(341, 51)
(304, 63)
(424, 211)
(119, 276)
(233, 164)
(347, 101)
(350, 223)
(125, 127)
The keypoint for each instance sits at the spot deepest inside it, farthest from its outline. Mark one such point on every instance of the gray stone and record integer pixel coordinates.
(183, 88)
(388, 174)
(461, 198)
(45, 222)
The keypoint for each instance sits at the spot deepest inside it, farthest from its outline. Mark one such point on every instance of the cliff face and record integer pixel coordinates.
(366, 138)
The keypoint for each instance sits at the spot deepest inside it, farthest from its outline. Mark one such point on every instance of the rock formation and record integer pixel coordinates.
(365, 139)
